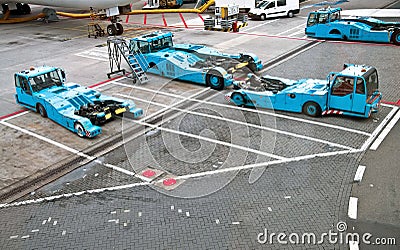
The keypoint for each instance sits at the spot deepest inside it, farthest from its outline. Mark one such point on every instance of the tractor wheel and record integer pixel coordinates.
(215, 80)
(111, 30)
(396, 37)
(290, 14)
(41, 110)
(312, 109)
(263, 17)
(120, 29)
(238, 99)
(80, 131)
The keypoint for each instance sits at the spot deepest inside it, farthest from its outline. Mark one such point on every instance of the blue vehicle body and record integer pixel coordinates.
(157, 54)
(327, 23)
(353, 91)
(79, 109)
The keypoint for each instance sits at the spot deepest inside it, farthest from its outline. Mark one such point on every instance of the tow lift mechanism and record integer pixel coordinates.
(157, 54)
(328, 23)
(353, 92)
(79, 109)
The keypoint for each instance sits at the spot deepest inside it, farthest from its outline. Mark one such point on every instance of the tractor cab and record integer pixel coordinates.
(151, 43)
(353, 87)
(323, 16)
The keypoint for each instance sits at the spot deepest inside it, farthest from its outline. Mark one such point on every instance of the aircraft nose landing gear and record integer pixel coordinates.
(115, 28)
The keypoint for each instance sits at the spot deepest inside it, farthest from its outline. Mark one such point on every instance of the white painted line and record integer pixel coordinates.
(172, 207)
(140, 214)
(385, 132)
(113, 212)
(247, 28)
(287, 197)
(244, 123)
(387, 105)
(179, 210)
(117, 221)
(60, 145)
(54, 223)
(49, 219)
(353, 245)
(211, 140)
(379, 129)
(15, 116)
(44, 222)
(248, 110)
(13, 236)
(296, 33)
(235, 223)
(127, 210)
(265, 164)
(63, 232)
(352, 212)
(122, 170)
(217, 221)
(35, 230)
(359, 174)
(113, 220)
(187, 214)
(270, 209)
(34, 201)
(294, 28)
(25, 236)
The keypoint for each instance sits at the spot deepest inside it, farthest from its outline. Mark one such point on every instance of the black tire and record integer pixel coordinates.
(263, 17)
(396, 37)
(215, 80)
(80, 131)
(41, 110)
(312, 109)
(290, 14)
(111, 30)
(238, 98)
(120, 29)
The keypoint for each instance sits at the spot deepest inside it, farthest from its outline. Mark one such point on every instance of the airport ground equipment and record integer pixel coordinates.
(275, 8)
(118, 49)
(95, 30)
(353, 92)
(327, 23)
(77, 108)
(155, 4)
(200, 64)
(227, 18)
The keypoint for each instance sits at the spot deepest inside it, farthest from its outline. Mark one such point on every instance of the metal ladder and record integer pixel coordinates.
(118, 48)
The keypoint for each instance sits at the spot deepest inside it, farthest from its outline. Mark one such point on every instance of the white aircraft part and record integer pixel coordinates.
(372, 12)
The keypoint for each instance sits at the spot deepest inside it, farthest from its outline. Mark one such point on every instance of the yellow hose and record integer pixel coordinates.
(75, 15)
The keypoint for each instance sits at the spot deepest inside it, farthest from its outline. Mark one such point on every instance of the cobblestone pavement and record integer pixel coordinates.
(297, 197)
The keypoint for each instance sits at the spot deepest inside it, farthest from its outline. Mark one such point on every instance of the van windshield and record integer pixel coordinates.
(262, 4)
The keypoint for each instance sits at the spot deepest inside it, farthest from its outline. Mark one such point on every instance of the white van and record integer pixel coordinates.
(275, 8)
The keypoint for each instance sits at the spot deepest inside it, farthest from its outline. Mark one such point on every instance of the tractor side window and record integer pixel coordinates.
(17, 81)
(144, 47)
(372, 82)
(360, 87)
(343, 86)
(312, 19)
(25, 86)
(335, 16)
(322, 18)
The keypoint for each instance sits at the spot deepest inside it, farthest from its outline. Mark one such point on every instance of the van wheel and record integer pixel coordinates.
(80, 131)
(312, 109)
(41, 110)
(290, 14)
(263, 17)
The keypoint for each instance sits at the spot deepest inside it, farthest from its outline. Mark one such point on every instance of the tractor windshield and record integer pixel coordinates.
(160, 44)
(371, 78)
(45, 81)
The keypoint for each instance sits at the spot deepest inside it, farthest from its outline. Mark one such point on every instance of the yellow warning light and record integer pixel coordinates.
(363, 70)
(31, 68)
